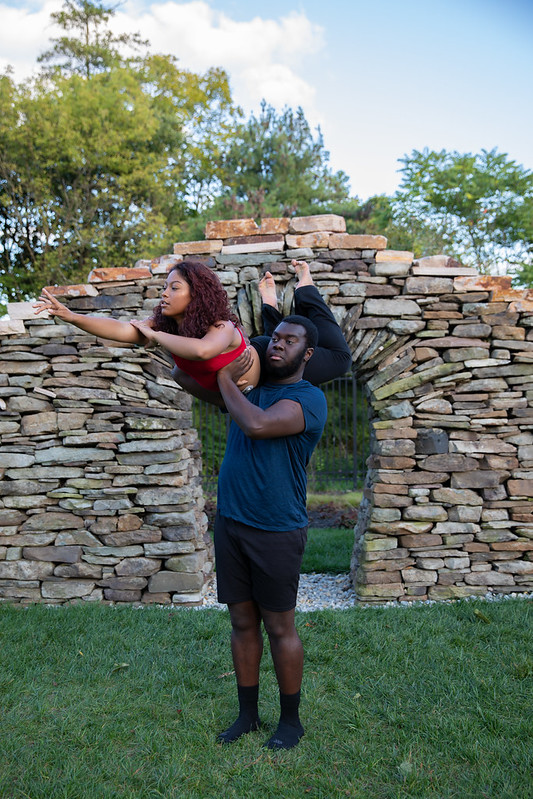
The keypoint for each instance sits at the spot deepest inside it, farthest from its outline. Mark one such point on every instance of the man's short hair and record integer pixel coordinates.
(311, 330)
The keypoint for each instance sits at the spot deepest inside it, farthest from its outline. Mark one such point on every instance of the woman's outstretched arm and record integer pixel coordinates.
(101, 326)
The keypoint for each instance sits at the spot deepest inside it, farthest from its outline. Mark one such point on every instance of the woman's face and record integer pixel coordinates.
(176, 296)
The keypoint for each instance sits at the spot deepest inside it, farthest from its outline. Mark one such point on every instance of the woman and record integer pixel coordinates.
(195, 324)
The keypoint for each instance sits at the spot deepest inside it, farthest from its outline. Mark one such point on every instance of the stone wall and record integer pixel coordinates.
(448, 506)
(100, 496)
(445, 354)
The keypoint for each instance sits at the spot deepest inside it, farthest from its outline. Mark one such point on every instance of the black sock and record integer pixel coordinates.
(289, 729)
(248, 718)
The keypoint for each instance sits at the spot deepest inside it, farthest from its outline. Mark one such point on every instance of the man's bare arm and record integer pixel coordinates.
(284, 418)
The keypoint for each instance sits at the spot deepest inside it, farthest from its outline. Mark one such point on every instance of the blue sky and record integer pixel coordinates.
(381, 78)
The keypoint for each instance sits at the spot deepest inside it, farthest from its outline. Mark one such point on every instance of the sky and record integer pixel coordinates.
(380, 78)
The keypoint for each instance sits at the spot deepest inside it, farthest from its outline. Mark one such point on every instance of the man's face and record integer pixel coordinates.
(286, 351)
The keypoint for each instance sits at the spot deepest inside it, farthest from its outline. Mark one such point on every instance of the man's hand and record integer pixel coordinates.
(237, 368)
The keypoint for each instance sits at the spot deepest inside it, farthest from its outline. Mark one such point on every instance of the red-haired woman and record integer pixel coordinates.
(195, 324)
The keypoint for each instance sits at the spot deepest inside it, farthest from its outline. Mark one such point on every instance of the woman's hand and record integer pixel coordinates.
(145, 330)
(47, 302)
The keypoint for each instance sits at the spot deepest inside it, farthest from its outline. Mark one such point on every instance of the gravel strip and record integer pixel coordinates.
(322, 591)
(315, 592)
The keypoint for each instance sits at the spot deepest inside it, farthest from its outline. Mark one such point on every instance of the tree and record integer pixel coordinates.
(274, 166)
(479, 207)
(97, 165)
(95, 48)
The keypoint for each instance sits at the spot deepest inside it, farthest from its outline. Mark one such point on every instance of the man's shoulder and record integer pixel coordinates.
(310, 397)
(302, 390)
(291, 388)
(308, 389)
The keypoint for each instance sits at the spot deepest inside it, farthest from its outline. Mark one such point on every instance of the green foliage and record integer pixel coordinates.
(524, 275)
(97, 164)
(346, 499)
(378, 216)
(274, 166)
(112, 154)
(478, 208)
(339, 460)
(95, 48)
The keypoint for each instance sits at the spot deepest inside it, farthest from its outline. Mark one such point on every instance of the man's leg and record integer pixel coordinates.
(246, 650)
(332, 357)
(270, 314)
(288, 656)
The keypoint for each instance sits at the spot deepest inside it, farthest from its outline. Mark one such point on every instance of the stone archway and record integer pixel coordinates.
(447, 510)
(446, 356)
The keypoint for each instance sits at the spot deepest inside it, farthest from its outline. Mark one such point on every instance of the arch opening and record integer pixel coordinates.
(101, 493)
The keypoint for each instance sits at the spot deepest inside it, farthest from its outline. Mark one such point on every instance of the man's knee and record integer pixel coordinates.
(279, 625)
(244, 616)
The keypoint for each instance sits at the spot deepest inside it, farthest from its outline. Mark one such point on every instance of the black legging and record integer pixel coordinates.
(332, 357)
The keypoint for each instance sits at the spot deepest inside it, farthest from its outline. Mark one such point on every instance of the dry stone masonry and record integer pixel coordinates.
(100, 496)
(100, 491)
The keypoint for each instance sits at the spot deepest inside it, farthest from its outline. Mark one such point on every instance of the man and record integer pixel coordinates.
(261, 524)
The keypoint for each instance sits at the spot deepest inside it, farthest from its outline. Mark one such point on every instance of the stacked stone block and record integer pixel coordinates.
(448, 501)
(100, 489)
(446, 356)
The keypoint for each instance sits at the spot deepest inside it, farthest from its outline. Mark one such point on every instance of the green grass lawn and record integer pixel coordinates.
(430, 701)
(328, 550)
(345, 499)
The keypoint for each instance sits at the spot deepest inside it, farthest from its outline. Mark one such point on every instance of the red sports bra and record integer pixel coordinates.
(205, 372)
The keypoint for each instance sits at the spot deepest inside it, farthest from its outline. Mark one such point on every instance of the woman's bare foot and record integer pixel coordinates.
(303, 274)
(267, 290)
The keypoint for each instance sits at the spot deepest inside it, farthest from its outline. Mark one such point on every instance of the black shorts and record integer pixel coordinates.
(259, 565)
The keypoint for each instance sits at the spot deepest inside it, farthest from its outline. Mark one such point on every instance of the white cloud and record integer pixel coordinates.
(24, 34)
(280, 86)
(265, 57)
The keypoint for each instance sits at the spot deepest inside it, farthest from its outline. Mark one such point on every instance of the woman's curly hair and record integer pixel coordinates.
(209, 302)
